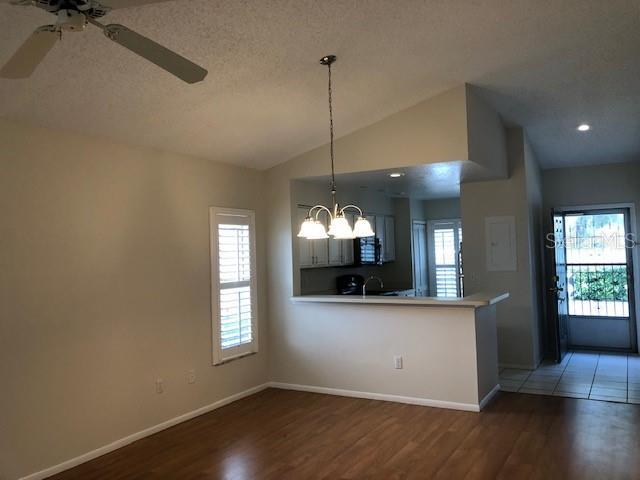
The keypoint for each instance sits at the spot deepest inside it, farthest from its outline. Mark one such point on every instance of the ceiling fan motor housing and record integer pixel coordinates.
(71, 20)
(91, 8)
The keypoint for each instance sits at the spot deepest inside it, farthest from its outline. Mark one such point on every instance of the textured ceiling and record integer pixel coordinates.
(546, 65)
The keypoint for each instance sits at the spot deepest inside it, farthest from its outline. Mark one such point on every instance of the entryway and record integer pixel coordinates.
(609, 377)
(592, 297)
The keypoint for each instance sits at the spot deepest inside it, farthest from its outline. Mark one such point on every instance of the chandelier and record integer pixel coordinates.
(312, 228)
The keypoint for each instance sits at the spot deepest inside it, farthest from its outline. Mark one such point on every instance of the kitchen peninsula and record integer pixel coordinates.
(439, 352)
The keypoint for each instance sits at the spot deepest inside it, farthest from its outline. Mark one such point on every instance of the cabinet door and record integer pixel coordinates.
(347, 245)
(390, 238)
(321, 250)
(335, 251)
(380, 234)
(305, 247)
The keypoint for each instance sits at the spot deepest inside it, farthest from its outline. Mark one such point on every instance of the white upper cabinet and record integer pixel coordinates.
(384, 227)
(321, 248)
(335, 253)
(305, 246)
(389, 246)
(312, 253)
(347, 245)
(323, 253)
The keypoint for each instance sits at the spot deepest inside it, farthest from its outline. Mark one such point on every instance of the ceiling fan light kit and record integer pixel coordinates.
(73, 16)
(339, 228)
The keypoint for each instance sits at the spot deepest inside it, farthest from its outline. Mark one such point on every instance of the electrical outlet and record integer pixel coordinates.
(191, 376)
(159, 385)
(397, 362)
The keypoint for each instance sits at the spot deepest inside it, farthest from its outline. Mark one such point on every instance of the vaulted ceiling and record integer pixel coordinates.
(546, 65)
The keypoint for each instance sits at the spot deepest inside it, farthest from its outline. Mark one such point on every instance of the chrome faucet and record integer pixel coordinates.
(364, 286)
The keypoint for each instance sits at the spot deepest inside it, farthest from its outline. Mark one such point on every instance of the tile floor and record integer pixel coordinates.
(598, 376)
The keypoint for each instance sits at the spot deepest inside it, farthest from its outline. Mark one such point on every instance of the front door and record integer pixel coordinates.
(558, 290)
(594, 280)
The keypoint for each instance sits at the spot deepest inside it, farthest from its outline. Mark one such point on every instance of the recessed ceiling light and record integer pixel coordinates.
(396, 174)
(584, 127)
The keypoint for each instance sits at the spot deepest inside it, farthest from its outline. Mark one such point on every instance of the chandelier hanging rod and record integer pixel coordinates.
(339, 227)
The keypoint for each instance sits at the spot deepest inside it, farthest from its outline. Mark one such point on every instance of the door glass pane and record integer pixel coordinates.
(596, 263)
(597, 238)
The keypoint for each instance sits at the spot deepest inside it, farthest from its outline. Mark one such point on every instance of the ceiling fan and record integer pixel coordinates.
(73, 16)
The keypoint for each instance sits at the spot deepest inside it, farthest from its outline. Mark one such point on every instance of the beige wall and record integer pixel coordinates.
(593, 185)
(104, 286)
(536, 245)
(432, 131)
(442, 209)
(486, 135)
(517, 318)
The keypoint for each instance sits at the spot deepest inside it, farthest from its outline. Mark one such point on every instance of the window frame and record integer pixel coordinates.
(216, 216)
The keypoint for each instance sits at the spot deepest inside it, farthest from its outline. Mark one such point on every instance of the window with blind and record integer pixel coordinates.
(445, 237)
(233, 280)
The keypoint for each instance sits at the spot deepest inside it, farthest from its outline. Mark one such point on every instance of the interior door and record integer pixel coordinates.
(558, 312)
(420, 274)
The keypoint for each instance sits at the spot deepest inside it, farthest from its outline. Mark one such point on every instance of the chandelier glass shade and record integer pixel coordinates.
(312, 228)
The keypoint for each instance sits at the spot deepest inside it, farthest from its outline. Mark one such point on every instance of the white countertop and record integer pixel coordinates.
(471, 301)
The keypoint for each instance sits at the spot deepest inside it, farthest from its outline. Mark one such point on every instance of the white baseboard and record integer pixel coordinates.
(487, 398)
(98, 452)
(427, 402)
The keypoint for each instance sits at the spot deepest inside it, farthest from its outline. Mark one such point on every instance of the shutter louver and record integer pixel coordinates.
(446, 237)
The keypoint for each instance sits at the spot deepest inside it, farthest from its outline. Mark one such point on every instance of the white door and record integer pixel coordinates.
(444, 258)
(419, 240)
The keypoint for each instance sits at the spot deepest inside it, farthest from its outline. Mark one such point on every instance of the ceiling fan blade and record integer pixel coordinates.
(31, 53)
(154, 52)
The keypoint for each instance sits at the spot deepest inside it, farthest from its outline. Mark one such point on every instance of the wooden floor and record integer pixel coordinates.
(278, 434)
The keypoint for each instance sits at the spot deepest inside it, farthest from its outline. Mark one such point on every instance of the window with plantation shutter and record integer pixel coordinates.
(445, 237)
(233, 278)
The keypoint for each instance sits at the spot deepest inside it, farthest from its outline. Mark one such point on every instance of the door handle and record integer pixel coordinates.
(556, 289)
